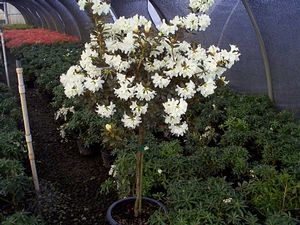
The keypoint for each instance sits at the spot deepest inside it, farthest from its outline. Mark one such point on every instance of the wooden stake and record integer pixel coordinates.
(27, 127)
(139, 173)
(5, 59)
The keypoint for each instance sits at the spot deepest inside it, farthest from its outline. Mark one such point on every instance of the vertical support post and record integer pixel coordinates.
(4, 58)
(27, 126)
(5, 13)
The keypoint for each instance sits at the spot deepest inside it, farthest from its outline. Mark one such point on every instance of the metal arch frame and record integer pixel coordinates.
(38, 11)
(46, 16)
(82, 20)
(263, 50)
(71, 27)
(34, 16)
(52, 18)
(28, 15)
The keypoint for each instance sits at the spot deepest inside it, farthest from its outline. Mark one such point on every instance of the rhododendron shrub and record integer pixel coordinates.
(148, 76)
(17, 38)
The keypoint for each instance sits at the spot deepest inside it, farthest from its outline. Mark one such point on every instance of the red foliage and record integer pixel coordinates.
(17, 38)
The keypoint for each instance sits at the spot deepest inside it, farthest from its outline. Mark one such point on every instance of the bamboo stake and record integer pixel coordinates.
(4, 58)
(27, 127)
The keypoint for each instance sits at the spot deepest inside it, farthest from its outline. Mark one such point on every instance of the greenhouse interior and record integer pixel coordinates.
(150, 112)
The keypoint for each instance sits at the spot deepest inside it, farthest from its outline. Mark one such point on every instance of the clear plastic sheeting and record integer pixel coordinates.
(129, 8)
(279, 23)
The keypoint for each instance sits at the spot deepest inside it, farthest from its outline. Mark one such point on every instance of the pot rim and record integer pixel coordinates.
(109, 217)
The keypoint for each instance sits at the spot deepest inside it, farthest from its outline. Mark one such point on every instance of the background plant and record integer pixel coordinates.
(17, 38)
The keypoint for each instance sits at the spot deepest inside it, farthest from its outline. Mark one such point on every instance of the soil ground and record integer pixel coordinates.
(70, 183)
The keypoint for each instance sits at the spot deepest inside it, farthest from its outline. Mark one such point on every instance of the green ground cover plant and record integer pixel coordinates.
(45, 63)
(17, 27)
(238, 165)
(14, 183)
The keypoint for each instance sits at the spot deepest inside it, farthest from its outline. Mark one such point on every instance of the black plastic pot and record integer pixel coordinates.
(109, 212)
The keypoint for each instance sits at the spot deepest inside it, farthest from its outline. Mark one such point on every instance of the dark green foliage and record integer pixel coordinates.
(9, 112)
(46, 63)
(22, 218)
(17, 27)
(239, 164)
(11, 145)
(14, 183)
(86, 125)
(213, 202)
(281, 218)
(271, 191)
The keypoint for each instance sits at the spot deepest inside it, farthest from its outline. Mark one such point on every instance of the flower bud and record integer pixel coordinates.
(148, 27)
(108, 127)
(136, 29)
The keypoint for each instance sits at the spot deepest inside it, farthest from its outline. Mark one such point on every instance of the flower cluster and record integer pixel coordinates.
(98, 7)
(137, 70)
(17, 38)
(201, 5)
(63, 112)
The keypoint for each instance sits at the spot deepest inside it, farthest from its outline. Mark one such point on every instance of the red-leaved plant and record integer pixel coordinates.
(17, 38)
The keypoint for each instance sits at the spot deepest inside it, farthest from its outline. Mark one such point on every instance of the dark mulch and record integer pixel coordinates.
(70, 183)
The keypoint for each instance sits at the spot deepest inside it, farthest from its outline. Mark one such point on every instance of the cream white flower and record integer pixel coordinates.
(117, 63)
(62, 130)
(113, 171)
(148, 26)
(179, 129)
(176, 21)
(175, 107)
(194, 22)
(160, 81)
(82, 4)
(188, 68)
(201, 5)
(159, 171)
(124, 92)
(228, 200)
(208, 88)
(100, 8)
(144, 93)
(167, 29)
(106, 111)
(131, 121)
(73, 81)
(63, 112)
(188, 91)
(138, 109)
(172, 119)
(93, 85)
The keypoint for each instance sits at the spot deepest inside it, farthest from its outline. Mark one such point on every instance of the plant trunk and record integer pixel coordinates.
(139, 173)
